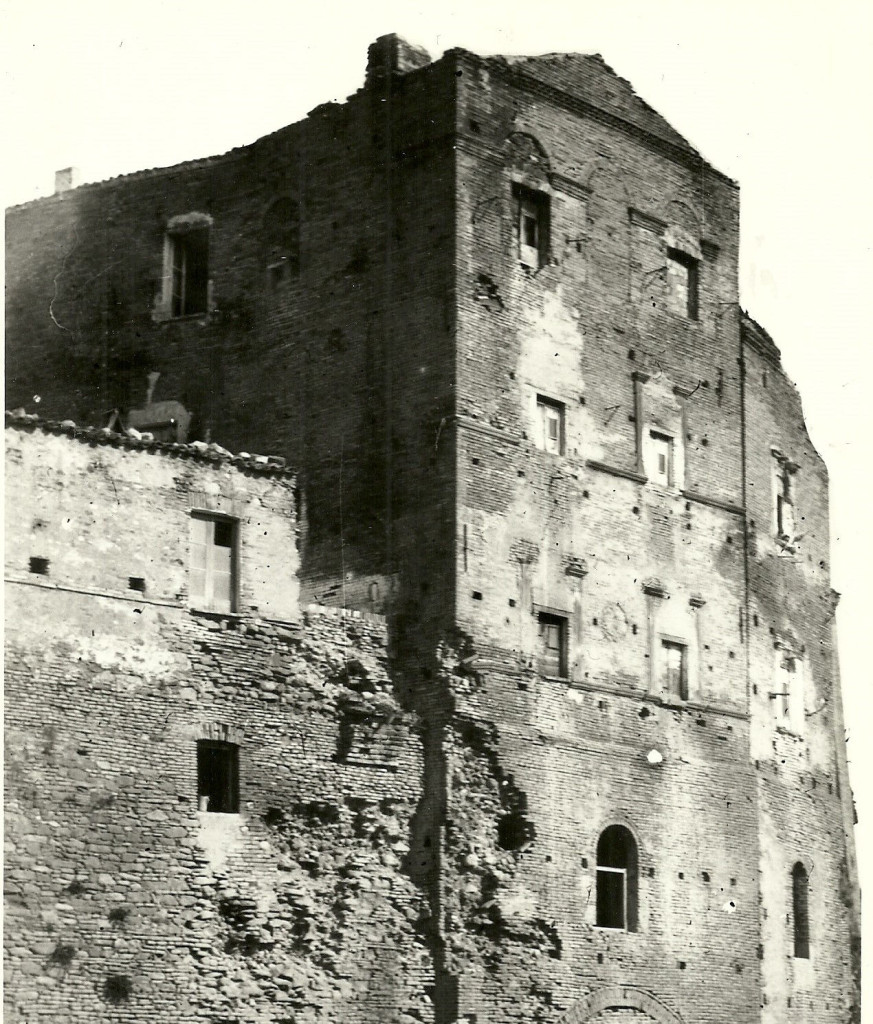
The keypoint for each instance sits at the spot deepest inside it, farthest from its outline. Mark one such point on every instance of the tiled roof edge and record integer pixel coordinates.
(200, 451)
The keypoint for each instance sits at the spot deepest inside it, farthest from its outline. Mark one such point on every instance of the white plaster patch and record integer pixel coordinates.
(518, 901)
(220, 835)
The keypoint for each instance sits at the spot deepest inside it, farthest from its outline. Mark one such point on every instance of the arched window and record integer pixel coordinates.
(617, 879)
(800, 908)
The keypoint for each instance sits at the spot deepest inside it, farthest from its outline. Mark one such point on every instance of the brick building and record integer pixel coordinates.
(488, 311)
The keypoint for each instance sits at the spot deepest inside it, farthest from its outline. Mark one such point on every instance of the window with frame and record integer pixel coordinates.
(532, 226)
(683, 272)
(552, 644)
(674, 668)
(217, 776)
(661, 458)
(617, 879)
(212, 575)
(188, 277)
(550, 425)
(800, 910)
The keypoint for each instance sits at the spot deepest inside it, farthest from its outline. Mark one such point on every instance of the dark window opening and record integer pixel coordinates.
(532, 226)
(189, 255)
(514, 831)
(684, 273)
(617, 879)
(37, 565)
(553, 644)
(136, 583)
(800, 907)
(212, 580)
(675, 668)
(217, 776)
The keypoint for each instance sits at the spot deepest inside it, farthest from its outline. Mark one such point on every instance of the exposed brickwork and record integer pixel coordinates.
(405, 291)
(125, 901)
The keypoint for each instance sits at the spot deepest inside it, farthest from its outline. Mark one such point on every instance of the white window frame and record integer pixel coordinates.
(658, 440)
(665, 644)
(531, 207)
(206, 599)
(548, 410)
(548, 617)
(173, 299)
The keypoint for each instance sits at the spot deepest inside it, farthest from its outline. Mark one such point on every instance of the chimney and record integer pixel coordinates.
(66, 179)
(391, 54)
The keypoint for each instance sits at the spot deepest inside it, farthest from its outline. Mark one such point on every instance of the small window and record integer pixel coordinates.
(617, 879)
(217, 777)
(532, 211)
(800, 910)
(785, 518)
(188, 256)
(661, 468)
(550, 425)
(553, 645)
(674, 668)
(683, 274)
(213, 563)
(789, 694)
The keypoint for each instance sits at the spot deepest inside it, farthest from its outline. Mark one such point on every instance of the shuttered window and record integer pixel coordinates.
(212, 583)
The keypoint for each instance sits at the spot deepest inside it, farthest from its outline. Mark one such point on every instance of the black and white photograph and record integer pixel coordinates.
(437, 550)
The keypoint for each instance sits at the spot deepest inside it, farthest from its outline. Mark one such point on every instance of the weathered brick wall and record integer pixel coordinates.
(102, 509)
(123, 900)
(344, 366)
(581, 532)
(800, 764)
(398, 365)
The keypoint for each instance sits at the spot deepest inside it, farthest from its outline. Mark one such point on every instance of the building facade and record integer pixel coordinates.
(488, 310)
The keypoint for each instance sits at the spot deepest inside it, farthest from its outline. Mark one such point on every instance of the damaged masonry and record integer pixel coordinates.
(506, 689)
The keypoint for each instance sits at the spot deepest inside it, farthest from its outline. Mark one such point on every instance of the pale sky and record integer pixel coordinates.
(775, 94)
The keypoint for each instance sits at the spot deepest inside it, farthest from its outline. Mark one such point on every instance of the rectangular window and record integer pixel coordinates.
(217, 777)
(188, 256)
(683, 274)
(532, 210)
(674, 668)
(789, 693)
(785, 520)
(550, 425)
(553, 645)
(611, 897)
(661, 468)
(212, 583)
